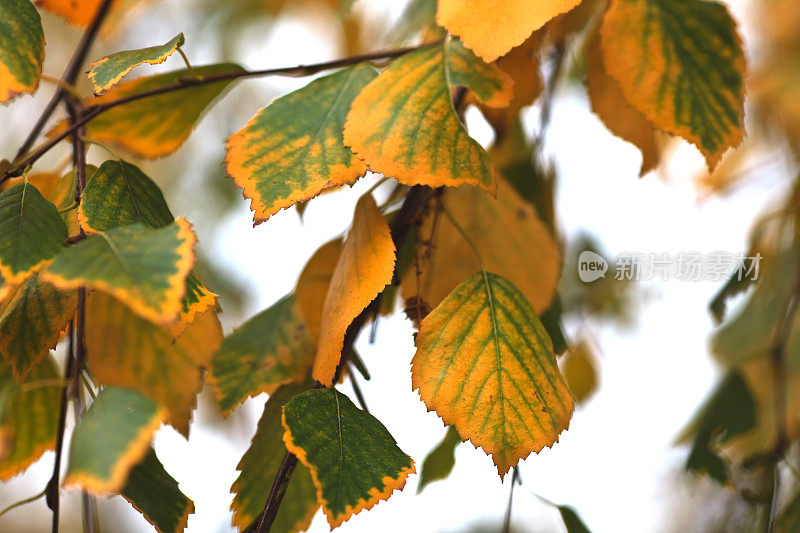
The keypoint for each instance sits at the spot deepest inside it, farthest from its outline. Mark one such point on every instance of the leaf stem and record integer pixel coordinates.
(20, 503)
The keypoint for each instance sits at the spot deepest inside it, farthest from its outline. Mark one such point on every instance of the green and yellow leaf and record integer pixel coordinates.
(679, 62)
(272, 348)
(21, 48)
(119, 194)
(126, 350)
(112, 436)
(56, 189)
(155, 494)
(145, 268)
(293, 149)
(528, 256)
(156, 126)
(354, 461)
(491, 28)
(364, 268)
(30, 417)
(440, 462)
(312, 285)
(108, 71)
(485, 364)
(260, 464)
(403, 123)
(31, 232)
(31, 324)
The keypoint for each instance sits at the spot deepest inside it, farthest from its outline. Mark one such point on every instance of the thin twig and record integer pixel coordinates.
(357, 390)
(507, 521)
(302, 70)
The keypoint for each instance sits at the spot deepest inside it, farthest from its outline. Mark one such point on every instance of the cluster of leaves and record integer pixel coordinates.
(97, 257)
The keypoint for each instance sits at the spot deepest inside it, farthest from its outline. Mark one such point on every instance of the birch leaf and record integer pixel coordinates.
(312, 285)
(440, 462)
(21, 48)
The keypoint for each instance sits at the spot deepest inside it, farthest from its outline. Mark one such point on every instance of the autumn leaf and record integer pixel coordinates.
(106, 72)
(145, 268)
(578, 367)
(528, 256)
(111, 437)
(31, 232)
(485, 364)
(126, 350)
(31, 417)
(354, 461)
(312, 285)
(440, 461)
(272, 348)
(57, 189)
(77, 12)
(156, 126)
(21, 48)
(31, 323)
(293, 148)
(403, 123)
(620, 117)
(155, 494)
(364, 268)
(680, 63)
(260, 464)
(119, 194)
(491, 28)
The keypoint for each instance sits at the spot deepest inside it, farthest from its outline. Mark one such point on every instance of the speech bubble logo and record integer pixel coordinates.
(591, 266)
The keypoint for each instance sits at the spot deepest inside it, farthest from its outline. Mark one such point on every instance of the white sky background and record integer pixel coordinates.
(616, 465)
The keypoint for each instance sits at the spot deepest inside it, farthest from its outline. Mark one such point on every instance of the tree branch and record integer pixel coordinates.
(301, 70)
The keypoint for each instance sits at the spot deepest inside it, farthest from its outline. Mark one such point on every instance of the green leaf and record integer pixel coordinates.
(112, 436)
(485, 364)
(439, 463)
(572, 521)
(30, 416)
(119, 194)
(293, 148)
(106, 72)
(355, 462)
(155, 494)
(730, 411)
(145, 268)
(680, 62)
(403, 123)
(156, 126)
(260, 464)
(21, 48)
(31, 323)
(272, 348)
(31, 232)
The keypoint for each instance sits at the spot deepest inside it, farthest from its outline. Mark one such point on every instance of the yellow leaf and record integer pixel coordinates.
(491, 28)
(77, 12)
(126, 350)
(621, 118)
(312, 285)
(510, 237)
(485, 364)
(578, 367)
(364, 268)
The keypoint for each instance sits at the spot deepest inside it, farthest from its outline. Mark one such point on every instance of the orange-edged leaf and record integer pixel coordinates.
(56, 189)
(528, 255)
(312, 285)
(680, 62)
(31, 232)
(354, 461)
(620, 117)
(293, 148)
(260, 464)
(485, 364)
(145, 268)
(490, 28)
(111, 438)
(126, 350)
(272, 348)
(156, 126)
(106, 72)
(29, 417)
(31, 323)
(403, 123)
(21, 48)
(365, 267)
